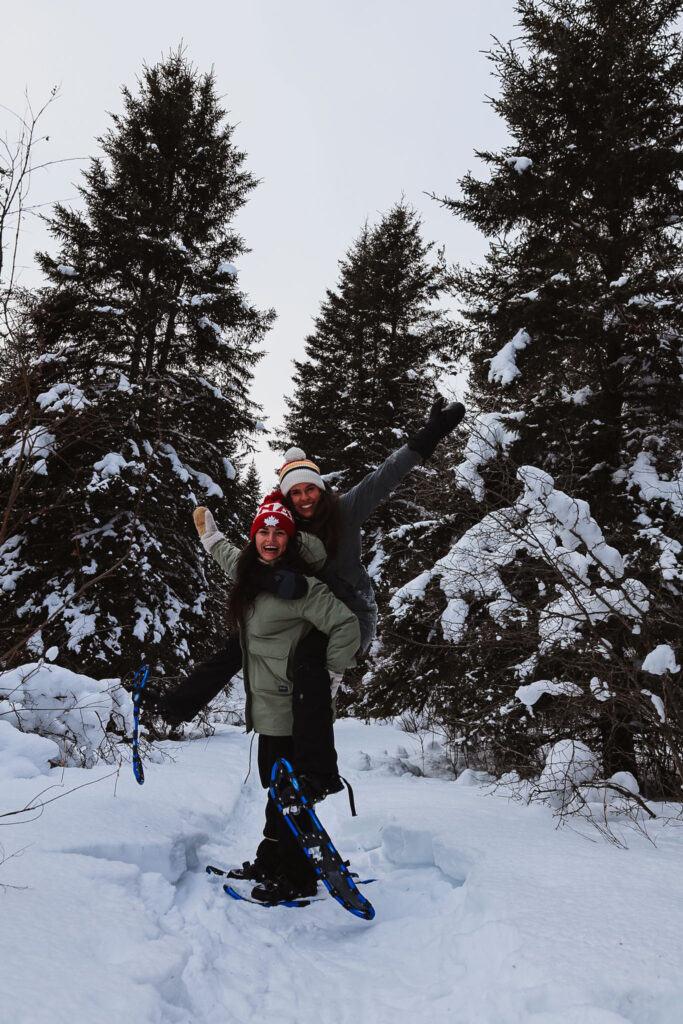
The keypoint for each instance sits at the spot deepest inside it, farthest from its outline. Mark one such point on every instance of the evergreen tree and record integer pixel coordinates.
(368, 369)
(250, 494)
(567, 573)
(135, 403)
(577, 305)
(370, 378)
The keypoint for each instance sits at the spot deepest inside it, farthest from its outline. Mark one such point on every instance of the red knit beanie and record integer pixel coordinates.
(272, 512)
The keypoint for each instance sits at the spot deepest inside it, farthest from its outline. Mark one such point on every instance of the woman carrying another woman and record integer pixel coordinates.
(337, 520)
(274, 603)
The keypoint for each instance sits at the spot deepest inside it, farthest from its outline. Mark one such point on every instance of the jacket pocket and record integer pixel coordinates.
(268, 646)
(271, 674)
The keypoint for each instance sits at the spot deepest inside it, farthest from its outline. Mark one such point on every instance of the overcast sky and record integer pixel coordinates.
(343, 106)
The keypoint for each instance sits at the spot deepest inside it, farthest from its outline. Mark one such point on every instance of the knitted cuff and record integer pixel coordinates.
(209, 539)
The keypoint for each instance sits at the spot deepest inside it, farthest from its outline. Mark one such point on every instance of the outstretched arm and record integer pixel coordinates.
(362, 500)
(225, 553)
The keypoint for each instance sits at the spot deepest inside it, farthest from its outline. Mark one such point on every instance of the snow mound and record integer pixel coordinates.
(568, 763)
(70, 711)
(25, 755)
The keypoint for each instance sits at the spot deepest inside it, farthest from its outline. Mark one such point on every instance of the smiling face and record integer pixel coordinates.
(270, 542)
(305, 498)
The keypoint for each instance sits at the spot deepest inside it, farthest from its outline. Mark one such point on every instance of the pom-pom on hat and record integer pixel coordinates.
(272, 512)
(297, 469)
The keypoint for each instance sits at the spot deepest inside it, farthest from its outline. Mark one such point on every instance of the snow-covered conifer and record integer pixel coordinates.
(134, 404)
(572, 326)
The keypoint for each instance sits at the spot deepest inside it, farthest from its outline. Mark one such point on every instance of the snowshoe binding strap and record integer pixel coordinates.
(352, 801)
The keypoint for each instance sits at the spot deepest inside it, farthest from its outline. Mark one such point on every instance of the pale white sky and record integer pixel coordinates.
(342, 106)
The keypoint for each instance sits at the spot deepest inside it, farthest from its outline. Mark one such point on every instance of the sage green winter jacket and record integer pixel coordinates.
(272, 629)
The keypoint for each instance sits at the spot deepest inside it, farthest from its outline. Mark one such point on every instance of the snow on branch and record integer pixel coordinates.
(519, 163)
(36, 444)
(652, 487)
(185, 472)
(503, 367)
(62, 396)
(488, 438)
(662, 659)
(529, 694)
(545, 525)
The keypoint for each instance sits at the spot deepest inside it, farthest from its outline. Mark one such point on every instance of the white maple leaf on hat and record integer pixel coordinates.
(271, 520)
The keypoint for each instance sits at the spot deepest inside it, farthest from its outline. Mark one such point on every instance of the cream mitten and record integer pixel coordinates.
(208, 532)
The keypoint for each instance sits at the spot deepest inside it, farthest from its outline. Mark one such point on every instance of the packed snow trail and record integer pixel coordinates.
(485, 912)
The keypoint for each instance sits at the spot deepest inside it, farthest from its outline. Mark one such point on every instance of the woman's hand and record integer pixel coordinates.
(208, 532)
(199, 515)
(442, 420)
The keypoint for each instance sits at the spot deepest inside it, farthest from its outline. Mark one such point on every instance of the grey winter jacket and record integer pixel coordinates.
(345, 574)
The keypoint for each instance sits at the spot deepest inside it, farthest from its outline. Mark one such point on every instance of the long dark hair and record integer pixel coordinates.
(325, 523)
(248, 578)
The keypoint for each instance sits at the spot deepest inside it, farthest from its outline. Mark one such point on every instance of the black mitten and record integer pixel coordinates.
(442, 420)
(280, 582)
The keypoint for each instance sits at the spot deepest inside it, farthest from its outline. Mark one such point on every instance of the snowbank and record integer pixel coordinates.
(25, 755)
(486, 914)
(70, 710)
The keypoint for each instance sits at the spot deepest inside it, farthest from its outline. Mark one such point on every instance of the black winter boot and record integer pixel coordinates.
(265, 865)
(277, 890)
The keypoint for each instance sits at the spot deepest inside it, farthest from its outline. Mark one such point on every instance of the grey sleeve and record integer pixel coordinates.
(361, 501)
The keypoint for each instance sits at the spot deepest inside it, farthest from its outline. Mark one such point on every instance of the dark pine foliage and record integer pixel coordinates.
(133, 403)
(572, 327)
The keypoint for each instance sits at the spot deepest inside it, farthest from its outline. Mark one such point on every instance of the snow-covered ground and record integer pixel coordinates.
(486, 913)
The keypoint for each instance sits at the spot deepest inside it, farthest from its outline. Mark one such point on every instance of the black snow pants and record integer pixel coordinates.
(279, 848)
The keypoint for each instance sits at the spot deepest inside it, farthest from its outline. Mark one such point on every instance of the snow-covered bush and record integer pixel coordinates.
(568, 764)
(74, 713)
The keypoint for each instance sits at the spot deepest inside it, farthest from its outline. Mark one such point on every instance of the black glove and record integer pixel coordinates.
(283, 583)
(442, 420)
